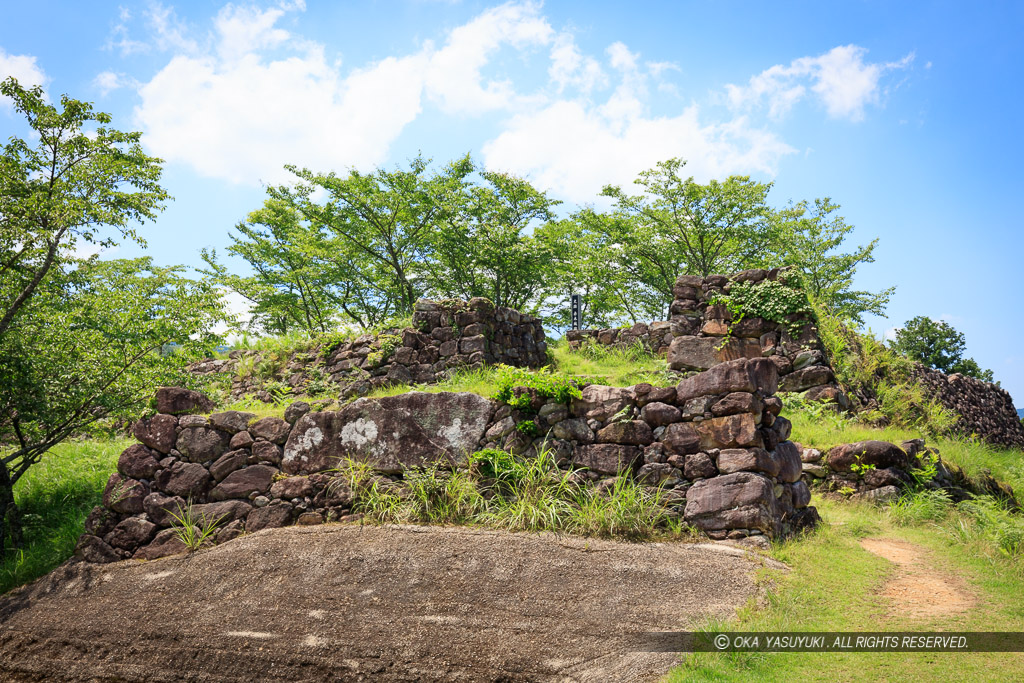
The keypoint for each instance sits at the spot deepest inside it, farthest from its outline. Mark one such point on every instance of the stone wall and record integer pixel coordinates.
(444, 336)
(880, 472)
(700, 335)
(983, 408)
(714, 444)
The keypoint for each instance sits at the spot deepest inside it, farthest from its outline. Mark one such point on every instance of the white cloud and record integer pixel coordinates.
(570, 68)
(248, 97)
(234, 114)
(453, 77)
(840, 79)
(24, 68)
(573, 148)
(108, 81)
(257, 97)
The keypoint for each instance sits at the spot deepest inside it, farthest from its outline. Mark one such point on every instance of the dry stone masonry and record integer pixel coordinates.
(700, 335)
(983, 408)
(445, 335)
(879, 471)
(715, 444)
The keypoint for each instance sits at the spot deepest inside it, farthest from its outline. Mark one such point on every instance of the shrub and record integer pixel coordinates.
(545, 382)
(780, 301)
(868, 369)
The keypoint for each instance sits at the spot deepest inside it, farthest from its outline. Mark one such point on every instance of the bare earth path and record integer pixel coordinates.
(918, 590)
(339, 603)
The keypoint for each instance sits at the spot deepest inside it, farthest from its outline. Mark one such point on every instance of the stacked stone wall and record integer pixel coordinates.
(700, 335)
(715, 445)
(445, 336)
(983, 409)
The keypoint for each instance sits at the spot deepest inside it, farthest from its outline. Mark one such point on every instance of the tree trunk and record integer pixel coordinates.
(10, 517)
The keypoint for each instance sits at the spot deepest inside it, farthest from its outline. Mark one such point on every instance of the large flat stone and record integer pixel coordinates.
(415, 429)
(743, 500)
(704, 353)
(741, 375)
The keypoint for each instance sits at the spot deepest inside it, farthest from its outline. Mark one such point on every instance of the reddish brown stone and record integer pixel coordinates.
(124, 495)
(659, 414)
(137, 462)
(185, 479)
(681, 438)
(743, 500)
(747, 460)
(881, 454)
(790, 466)
(164, 544)
(732, 431)
(269, 517)
(273, 429)
(232, 421)
(737, 402)
(179, 401)
(699, 466)
(628, 432)
(606, 458)
(241, 483)
(158, 432)
(130, 533)
(292, 487)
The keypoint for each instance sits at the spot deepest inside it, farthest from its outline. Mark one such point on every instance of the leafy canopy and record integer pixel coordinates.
(938, 345)
(74, 184)
(809, 238)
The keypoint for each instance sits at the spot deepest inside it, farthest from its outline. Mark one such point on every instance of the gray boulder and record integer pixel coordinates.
(743, 500)
(415, 429)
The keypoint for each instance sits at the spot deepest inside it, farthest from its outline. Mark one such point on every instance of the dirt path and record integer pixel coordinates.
(918, 590)
(345, 603)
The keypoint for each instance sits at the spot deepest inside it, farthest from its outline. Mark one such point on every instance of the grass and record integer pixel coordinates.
(55, 496)
(824, 429)
(834, 585)
(609, 365)
(502, 491)
(192, 529)
(482, 381)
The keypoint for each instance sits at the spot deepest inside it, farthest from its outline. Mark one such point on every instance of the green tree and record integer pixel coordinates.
(302, 277)
(681, 226)
(596, 258)
(809, 238)
(485, 248)
(79, 340)
(88, 347)
(81, 181)
(938, 345)
(389, 217)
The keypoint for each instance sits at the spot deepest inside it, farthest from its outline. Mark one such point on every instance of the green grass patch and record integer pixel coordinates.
(55, 496)
(834, 585)
(823, 429)
(615, 367)
(501, 491)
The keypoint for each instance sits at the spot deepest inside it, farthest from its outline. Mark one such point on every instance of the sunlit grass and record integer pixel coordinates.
(55, 496)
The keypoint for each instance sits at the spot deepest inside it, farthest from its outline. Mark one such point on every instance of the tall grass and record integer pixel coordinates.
(614, 366)
(502, 491)
(867, 367)
(55, 496)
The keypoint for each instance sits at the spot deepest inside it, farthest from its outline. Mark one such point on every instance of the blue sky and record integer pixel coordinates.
(904, 113)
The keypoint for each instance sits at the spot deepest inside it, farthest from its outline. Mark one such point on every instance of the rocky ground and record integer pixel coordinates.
(349, 602)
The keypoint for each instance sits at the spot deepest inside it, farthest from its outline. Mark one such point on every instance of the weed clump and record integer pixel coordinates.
(499, 490)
